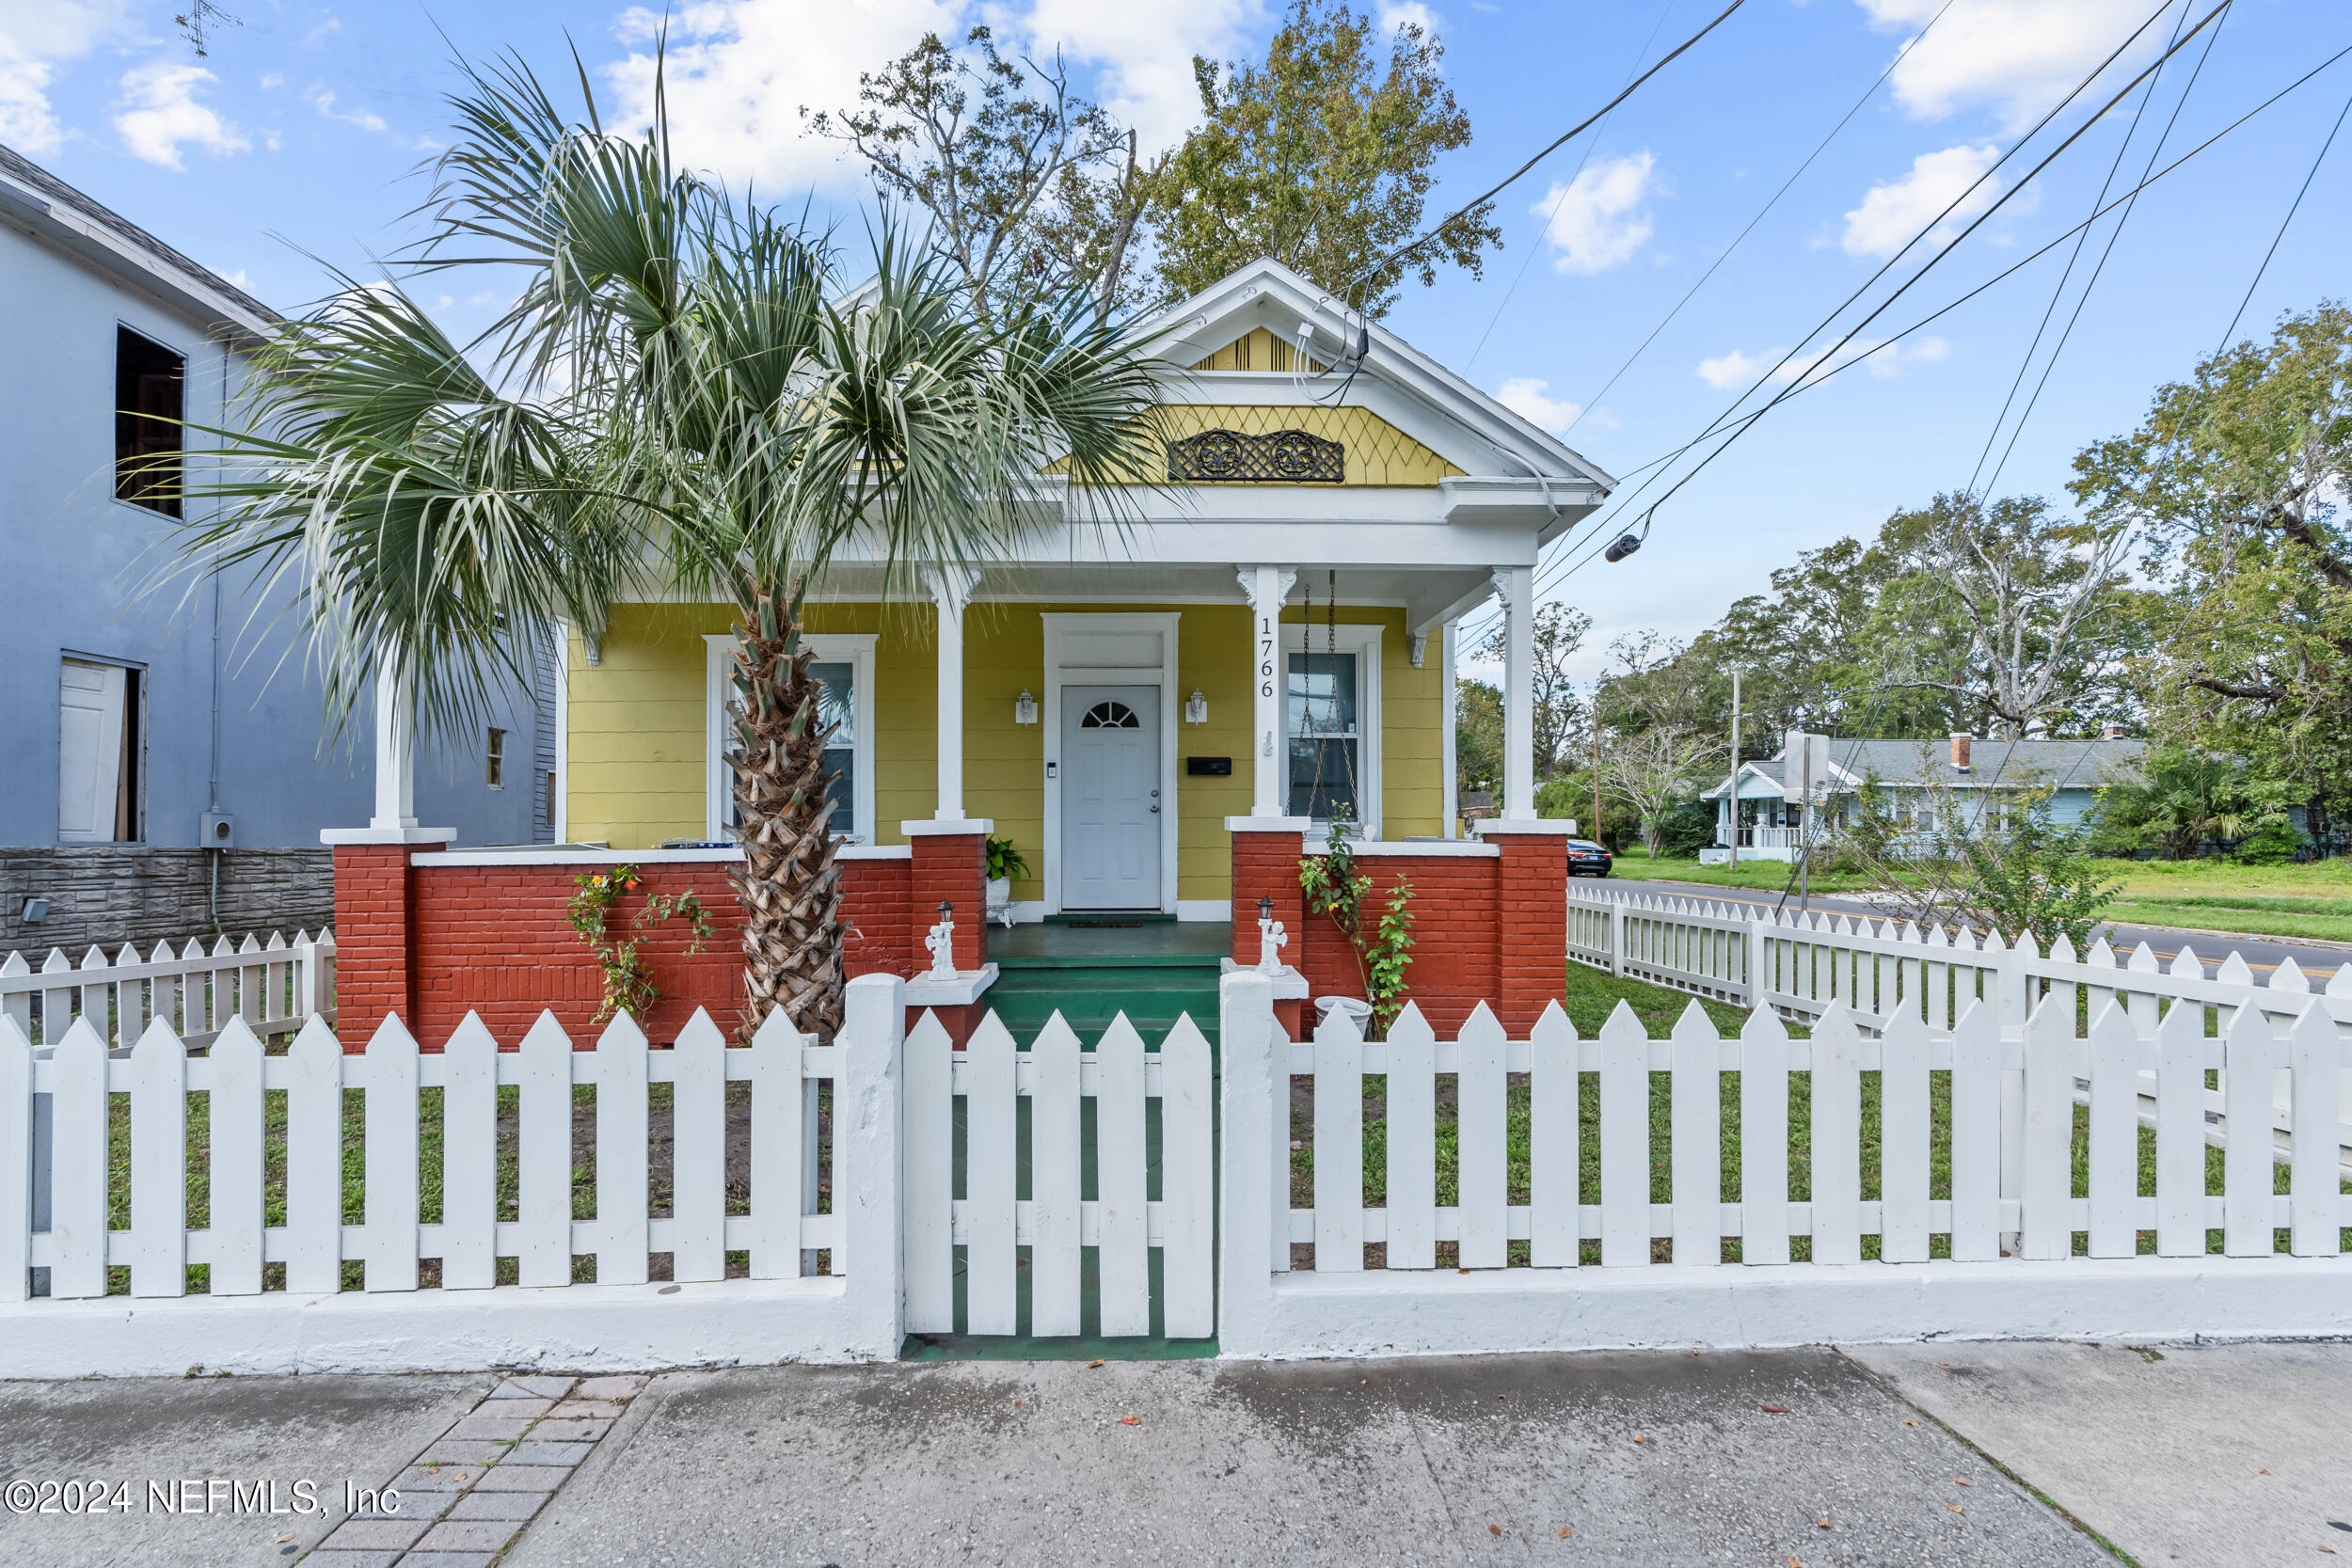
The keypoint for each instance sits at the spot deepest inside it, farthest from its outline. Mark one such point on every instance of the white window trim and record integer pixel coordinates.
(1365, 642)
(856, 650)
(1057, 674)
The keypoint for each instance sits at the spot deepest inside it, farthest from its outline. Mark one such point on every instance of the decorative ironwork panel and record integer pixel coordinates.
(1277, 457)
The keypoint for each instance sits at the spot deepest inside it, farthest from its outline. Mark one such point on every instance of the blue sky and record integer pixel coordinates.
(296, 136)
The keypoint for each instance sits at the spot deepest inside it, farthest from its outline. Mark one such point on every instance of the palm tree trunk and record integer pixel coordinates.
(788, 884)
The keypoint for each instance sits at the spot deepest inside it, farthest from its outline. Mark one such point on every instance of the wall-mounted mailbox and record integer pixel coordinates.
(1212, 768)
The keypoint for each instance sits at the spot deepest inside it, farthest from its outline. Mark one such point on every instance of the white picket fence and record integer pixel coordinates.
(1800, 965)
(1991, 1251)
(274, 985)
(2011, 1175)
(991, 1221)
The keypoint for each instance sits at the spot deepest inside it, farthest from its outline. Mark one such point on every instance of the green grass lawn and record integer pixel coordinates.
(2311, 901)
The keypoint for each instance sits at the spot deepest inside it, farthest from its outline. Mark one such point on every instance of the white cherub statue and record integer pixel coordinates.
(1272, 938)
(941, 942)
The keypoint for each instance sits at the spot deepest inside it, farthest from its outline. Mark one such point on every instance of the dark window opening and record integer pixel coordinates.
(149, 401)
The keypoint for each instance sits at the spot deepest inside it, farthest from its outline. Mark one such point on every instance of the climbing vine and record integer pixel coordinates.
(628, 986)
(1335, 889)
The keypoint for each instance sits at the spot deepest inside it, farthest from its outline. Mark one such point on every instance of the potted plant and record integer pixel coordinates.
(1004, 864)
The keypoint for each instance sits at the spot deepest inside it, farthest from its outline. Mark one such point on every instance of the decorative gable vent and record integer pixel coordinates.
(1277, 457)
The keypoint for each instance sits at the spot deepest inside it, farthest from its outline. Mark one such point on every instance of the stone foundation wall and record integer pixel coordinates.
(109, 894)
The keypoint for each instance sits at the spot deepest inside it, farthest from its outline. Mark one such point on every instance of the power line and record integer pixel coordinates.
(1664, 11)
(1870, 92)
(2011, 270)
(2113, 235)
(1491, 192)
(1827, 356)
(2059, 292)
(2283, 227)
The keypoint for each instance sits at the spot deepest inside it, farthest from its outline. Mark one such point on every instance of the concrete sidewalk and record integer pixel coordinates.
(2177, 1453)
(1654, 1459)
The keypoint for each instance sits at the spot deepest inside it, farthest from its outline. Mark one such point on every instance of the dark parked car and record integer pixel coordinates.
(1587, 859)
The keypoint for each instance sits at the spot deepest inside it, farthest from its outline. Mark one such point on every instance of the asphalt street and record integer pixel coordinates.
(2262, 953)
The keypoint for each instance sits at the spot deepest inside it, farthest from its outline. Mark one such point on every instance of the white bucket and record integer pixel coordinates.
(1355, 1011)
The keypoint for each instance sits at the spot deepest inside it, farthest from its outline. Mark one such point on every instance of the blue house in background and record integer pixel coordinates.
(165, 775)
(1761, 806)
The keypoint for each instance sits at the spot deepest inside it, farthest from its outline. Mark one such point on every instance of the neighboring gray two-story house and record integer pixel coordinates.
(1761, 807)
(164, 774)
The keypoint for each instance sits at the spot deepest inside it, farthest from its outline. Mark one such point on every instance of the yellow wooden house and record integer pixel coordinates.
(1273, 640)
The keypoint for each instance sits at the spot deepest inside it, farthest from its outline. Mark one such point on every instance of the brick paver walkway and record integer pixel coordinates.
(473, 1488)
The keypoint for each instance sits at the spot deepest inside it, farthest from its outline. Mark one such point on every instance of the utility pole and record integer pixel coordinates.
(1804, 832)
(1596, 838)
(1735, 772)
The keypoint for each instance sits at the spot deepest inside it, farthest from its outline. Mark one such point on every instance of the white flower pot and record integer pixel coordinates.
(1000, 899)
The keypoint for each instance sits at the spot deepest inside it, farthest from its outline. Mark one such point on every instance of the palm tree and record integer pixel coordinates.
(683, 397)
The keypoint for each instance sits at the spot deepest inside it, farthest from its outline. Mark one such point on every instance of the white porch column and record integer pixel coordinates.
(1267, 587)
(395, 752)
(1514, 590)
(1449, 715)
(951, 590)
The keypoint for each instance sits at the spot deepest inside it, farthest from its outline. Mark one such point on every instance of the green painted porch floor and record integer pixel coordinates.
(1154, 970)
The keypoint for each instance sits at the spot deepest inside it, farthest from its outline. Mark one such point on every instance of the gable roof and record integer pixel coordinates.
(1992, 765)
(38, 203)
(1472, 429)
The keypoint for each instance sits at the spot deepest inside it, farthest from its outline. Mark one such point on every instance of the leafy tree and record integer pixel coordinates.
(1559, 632)
(2185, 799)
(1320, 158)
(2235, 482)
(1029, 187)
(2017, 605)
(1477, 737)
(684, 400)
(1936, 858)
(1657, 742)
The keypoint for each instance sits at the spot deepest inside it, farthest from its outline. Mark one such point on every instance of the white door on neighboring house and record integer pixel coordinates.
(89, 750)
(1110, 798)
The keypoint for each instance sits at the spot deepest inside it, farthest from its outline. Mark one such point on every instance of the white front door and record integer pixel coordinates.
(1110, 798)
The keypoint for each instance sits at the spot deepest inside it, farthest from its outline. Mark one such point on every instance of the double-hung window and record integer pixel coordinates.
(844, 668)
(1330, 723)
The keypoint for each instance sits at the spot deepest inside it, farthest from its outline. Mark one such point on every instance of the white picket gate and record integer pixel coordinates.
(992, 1222)
(274, 985)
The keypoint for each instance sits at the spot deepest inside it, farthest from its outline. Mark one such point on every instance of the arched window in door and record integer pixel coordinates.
(1111, 716)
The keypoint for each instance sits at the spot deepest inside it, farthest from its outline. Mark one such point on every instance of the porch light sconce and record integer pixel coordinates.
(1025, 708)
(1196, 708)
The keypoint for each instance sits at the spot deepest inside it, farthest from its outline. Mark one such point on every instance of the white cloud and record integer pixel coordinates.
(740, 70)
(324, 102)
(1892, 213)
(2015, 57)
(160, 115)
(1881, 358)
(35, 38)
(1597, 222)
(1396, 14)
(1524, 396)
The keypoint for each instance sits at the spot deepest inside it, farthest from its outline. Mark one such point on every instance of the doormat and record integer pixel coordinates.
(1105, 926)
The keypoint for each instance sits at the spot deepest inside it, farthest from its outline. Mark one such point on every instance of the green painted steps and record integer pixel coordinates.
(1152, 972)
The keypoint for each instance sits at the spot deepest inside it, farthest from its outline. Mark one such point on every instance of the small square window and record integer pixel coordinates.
(497, 752)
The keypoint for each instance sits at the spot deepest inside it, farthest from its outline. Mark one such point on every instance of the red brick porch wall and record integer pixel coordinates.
(1488, 929)
(432, 942)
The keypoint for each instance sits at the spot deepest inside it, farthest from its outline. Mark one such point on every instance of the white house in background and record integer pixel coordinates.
(1761, 807)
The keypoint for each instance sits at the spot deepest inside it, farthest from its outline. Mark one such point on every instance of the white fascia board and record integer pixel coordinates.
(65, 231)
(1205, 322)
(1358, 541)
